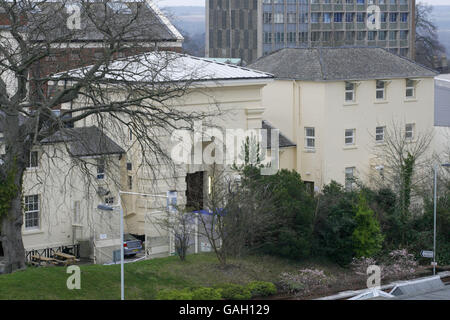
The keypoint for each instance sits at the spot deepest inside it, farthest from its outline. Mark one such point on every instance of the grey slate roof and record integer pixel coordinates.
(284, 141)
(337, 64)
(151, 22)
(86, 141)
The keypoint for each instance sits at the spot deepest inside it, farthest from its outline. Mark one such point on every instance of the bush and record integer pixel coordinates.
(206, 294)
(291, 233)
(261, 288)
(305, 281)
(334, 225)
(231, 291)
(174, 294)
(367, 236)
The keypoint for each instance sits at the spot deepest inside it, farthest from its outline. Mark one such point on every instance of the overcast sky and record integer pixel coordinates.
(165, 3)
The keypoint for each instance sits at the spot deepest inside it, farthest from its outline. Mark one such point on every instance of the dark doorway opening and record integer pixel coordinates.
(309, 187)
(1, 250)
(194, 190)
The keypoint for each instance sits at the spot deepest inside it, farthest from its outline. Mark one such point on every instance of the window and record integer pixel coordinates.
(393, 17)
(279, 18)
(349, 178)
(404, 35)
(32, 160)
(310, 138)
(291, 37)
(382, 35)
(75, 55)
(303, 37)
(349, 17)
(267, 37)
(291, 17)
(379, 134)
(303, 17)
(404, 17)
(76, 212)
(315, 17)
(109, 200)
(361, 35)
(350, 137)
(360, 17)
(100, 169)
(267, 17)
(349, 92)
(315, 36)
(371, 35)
(409, 131)
(338, 16)
(279, 37)
(392, 35)
(129, 166)
(31, 206)
(130, 182)
(381, 90)
(410, 89)
(327, 17)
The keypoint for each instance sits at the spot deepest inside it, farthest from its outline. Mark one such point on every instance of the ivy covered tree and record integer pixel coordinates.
(367, 236)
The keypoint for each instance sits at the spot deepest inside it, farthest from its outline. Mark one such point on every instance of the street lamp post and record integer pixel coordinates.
(111, 208)
(434, 213)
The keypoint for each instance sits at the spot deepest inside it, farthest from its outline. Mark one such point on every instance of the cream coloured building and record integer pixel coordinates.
(336, 104)
(61, 197)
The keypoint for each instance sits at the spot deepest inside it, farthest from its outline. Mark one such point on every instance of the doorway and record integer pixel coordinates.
(194, 190)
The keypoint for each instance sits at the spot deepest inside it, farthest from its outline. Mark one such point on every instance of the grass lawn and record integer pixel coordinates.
(142, 279)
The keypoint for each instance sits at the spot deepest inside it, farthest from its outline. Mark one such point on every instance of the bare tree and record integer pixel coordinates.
(35, 81)
(428, 47)
(403, 158)
(179, 223)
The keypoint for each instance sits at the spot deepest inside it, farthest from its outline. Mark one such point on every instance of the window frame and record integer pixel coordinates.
(101, 169)
(353, 137)
(30, 163)
(412, 88)
(349, 181)
(350, 91)
(409, 131)
(309, 138)
(378, 134)
(27, 211)
(379, 89)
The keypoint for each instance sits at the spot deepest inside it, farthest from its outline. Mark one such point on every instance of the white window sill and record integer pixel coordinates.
(380, 143)
(309, 150)
(350, 104)
(350, 147)
(410, 100)
(381, 102)
(28, 232)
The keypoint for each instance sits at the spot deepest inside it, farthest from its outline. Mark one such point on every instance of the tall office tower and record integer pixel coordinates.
(249, 29)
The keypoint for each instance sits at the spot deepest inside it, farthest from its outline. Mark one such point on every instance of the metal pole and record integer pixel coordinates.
(434, 214)
(122, 275)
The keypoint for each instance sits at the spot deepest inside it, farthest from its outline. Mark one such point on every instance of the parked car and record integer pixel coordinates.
(131, 245)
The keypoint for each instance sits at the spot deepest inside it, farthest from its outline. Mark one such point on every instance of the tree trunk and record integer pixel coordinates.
(11, 231)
